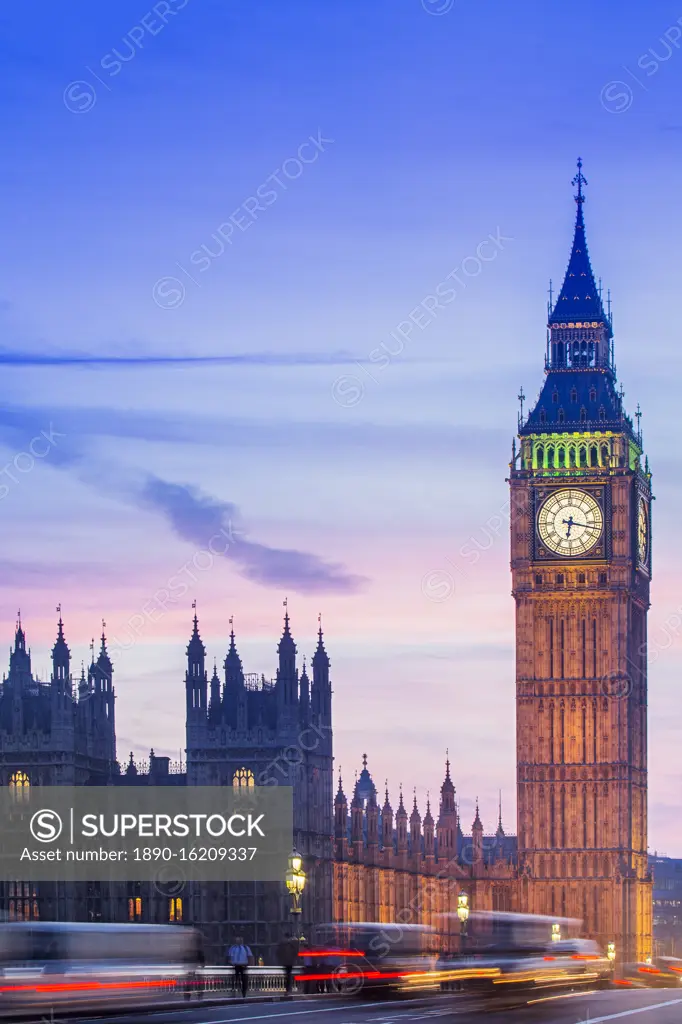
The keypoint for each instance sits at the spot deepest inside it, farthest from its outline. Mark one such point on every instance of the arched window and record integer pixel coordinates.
(562, 416)
(25, 906)
(583, 415)
(574, 394)
(549, 454)
(19, 786)
(543, 416)
(243, 779)
(594, 455)
(175, 909)
(135, 909)
(593, 394)
(604, 455)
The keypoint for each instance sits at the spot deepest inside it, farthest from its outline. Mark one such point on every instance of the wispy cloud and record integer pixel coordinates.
(12, 357)
(194, 516)
(200, 518)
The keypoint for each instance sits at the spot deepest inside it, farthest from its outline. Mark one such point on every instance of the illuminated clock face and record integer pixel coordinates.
(642, 531)
(570, 522)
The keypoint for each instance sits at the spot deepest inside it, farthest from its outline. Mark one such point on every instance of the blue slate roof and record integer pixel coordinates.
(579, 300)
(577, 400)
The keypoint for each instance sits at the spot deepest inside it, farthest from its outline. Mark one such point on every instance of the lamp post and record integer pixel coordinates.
(556, 932)
(295, 881)
(611, 951)
(463, 915)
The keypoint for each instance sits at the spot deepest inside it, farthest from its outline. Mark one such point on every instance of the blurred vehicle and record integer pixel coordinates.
(74, 967)
(490, 931)
(507, 954)
(372, 958)
(662, 972)
(672, 965)
(577, 962)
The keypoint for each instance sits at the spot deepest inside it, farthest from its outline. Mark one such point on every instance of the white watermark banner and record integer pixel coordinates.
(134, 833)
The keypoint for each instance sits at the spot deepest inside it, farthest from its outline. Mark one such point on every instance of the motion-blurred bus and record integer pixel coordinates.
(74, 967)
(504, 953)
(371, 958)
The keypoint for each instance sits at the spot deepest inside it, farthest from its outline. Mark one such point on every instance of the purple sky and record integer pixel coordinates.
(197, 317)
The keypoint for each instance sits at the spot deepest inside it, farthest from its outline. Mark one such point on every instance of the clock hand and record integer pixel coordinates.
(569, 522)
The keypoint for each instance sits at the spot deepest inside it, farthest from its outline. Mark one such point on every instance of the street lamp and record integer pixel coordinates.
(556, 932)
(611, 951)
(463, 915)
(295, 881)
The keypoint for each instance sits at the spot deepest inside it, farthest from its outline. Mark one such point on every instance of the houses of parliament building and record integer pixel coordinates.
(580, 529)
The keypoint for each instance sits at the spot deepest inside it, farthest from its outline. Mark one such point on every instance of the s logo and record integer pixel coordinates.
(46, 826)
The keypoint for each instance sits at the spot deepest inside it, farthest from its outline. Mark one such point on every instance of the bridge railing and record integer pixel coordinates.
(218, 980)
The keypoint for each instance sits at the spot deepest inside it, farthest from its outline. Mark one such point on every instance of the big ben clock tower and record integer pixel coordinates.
(581, 568)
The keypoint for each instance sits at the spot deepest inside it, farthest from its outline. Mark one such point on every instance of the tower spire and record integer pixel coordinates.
(579, 303)
(195, 648)
(500, 830)
(20, 636)
(60, 655)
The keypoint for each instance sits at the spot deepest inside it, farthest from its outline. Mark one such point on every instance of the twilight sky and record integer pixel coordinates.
(217, 217)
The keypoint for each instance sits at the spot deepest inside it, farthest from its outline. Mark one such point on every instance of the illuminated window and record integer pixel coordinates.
(19, 786)
(175, 909)
(243, 779)
(25, 908)
(135, 909)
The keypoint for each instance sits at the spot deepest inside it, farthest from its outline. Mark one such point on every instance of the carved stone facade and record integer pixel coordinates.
(241, 730)
(398, 869)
